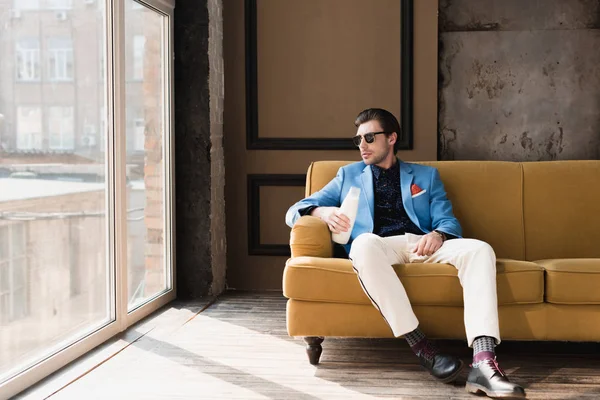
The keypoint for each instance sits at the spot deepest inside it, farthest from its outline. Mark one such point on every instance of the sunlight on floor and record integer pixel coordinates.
(208, 358)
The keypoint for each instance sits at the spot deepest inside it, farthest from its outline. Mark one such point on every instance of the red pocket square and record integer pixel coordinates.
(414, 189)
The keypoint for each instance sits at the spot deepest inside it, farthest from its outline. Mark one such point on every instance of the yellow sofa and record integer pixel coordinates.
(541, 218)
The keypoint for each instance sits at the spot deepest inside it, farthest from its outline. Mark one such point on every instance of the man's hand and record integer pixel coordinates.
(336, 221)
(428, 244)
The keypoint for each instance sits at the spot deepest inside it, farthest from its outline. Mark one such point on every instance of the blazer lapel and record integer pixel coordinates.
(406, 178)
(366, 179)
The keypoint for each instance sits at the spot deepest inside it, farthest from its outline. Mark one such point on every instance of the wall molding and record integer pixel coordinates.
(254, 142)
(254, 182)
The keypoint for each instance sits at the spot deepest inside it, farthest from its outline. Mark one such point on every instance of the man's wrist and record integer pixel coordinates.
(441, 234)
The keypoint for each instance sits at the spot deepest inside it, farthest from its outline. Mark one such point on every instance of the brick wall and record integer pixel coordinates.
(197, 145)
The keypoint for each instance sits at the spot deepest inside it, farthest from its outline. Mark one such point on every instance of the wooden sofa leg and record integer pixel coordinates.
(314, 348)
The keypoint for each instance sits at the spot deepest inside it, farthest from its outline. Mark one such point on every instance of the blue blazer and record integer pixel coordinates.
(429, 210)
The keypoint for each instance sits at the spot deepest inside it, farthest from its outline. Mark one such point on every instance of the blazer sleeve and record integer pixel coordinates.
(442, 217)
(329, 196)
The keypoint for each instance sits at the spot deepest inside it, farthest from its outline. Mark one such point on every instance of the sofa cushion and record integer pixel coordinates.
(334, 280)
(572, 281)
(560, 204)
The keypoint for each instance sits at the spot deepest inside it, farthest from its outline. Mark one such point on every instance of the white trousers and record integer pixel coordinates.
(373, 256)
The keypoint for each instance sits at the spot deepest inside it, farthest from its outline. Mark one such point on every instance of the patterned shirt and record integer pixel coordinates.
(390, 216)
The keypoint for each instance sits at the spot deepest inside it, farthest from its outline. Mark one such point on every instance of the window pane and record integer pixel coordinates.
(145, 103)
(60, 59)
(28, 59)
(29, 128)
(53, 264)
(60, 128)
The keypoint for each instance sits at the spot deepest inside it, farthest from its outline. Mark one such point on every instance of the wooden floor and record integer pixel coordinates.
(238, 348)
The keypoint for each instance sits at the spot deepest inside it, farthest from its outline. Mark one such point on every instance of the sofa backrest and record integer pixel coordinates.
(487, 201)
(486, 198)
(561, 206)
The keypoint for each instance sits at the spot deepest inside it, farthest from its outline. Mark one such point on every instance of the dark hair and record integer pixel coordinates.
(386, 119)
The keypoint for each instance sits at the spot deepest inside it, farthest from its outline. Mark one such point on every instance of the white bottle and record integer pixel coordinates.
(348, 208)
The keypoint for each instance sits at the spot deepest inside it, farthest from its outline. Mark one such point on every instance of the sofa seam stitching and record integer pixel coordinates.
(419, 275)
(418, 305)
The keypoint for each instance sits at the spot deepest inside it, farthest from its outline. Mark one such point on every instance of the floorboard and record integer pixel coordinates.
(238, 348)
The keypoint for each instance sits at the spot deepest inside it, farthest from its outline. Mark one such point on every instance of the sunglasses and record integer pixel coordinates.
(369, 137)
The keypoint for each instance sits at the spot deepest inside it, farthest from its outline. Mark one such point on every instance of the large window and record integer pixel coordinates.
(28, 59)
(86, 167)
(60, 59)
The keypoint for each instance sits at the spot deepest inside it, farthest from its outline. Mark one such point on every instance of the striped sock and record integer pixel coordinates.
(483, 349)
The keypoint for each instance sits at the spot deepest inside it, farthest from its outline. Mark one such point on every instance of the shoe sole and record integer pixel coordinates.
(453, 377)
(478, 389)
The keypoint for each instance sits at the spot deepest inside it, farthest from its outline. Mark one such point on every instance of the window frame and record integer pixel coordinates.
(116, 199)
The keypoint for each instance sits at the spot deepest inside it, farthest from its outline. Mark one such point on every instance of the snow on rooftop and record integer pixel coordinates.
(12, 189)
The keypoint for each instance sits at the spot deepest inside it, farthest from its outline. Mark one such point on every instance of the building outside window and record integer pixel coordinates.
(135, 129)
(139, 43)
(29, 128)
(42, 4)
(61, 128)
(89, 138)
(60, 59)
(13, 273)
(28, 59)
(26, 4)
(59, 4)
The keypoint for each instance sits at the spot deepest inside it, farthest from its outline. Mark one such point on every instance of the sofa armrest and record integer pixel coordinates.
(310, 237)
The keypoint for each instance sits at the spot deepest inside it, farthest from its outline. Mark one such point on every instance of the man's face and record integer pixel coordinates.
(382, 147)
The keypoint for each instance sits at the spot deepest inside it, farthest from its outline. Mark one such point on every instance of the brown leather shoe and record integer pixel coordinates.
(489, 378)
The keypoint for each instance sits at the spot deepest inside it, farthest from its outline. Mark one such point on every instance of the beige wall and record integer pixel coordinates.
(264, 271)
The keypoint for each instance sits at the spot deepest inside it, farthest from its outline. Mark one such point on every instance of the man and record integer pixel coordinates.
(404, 216)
